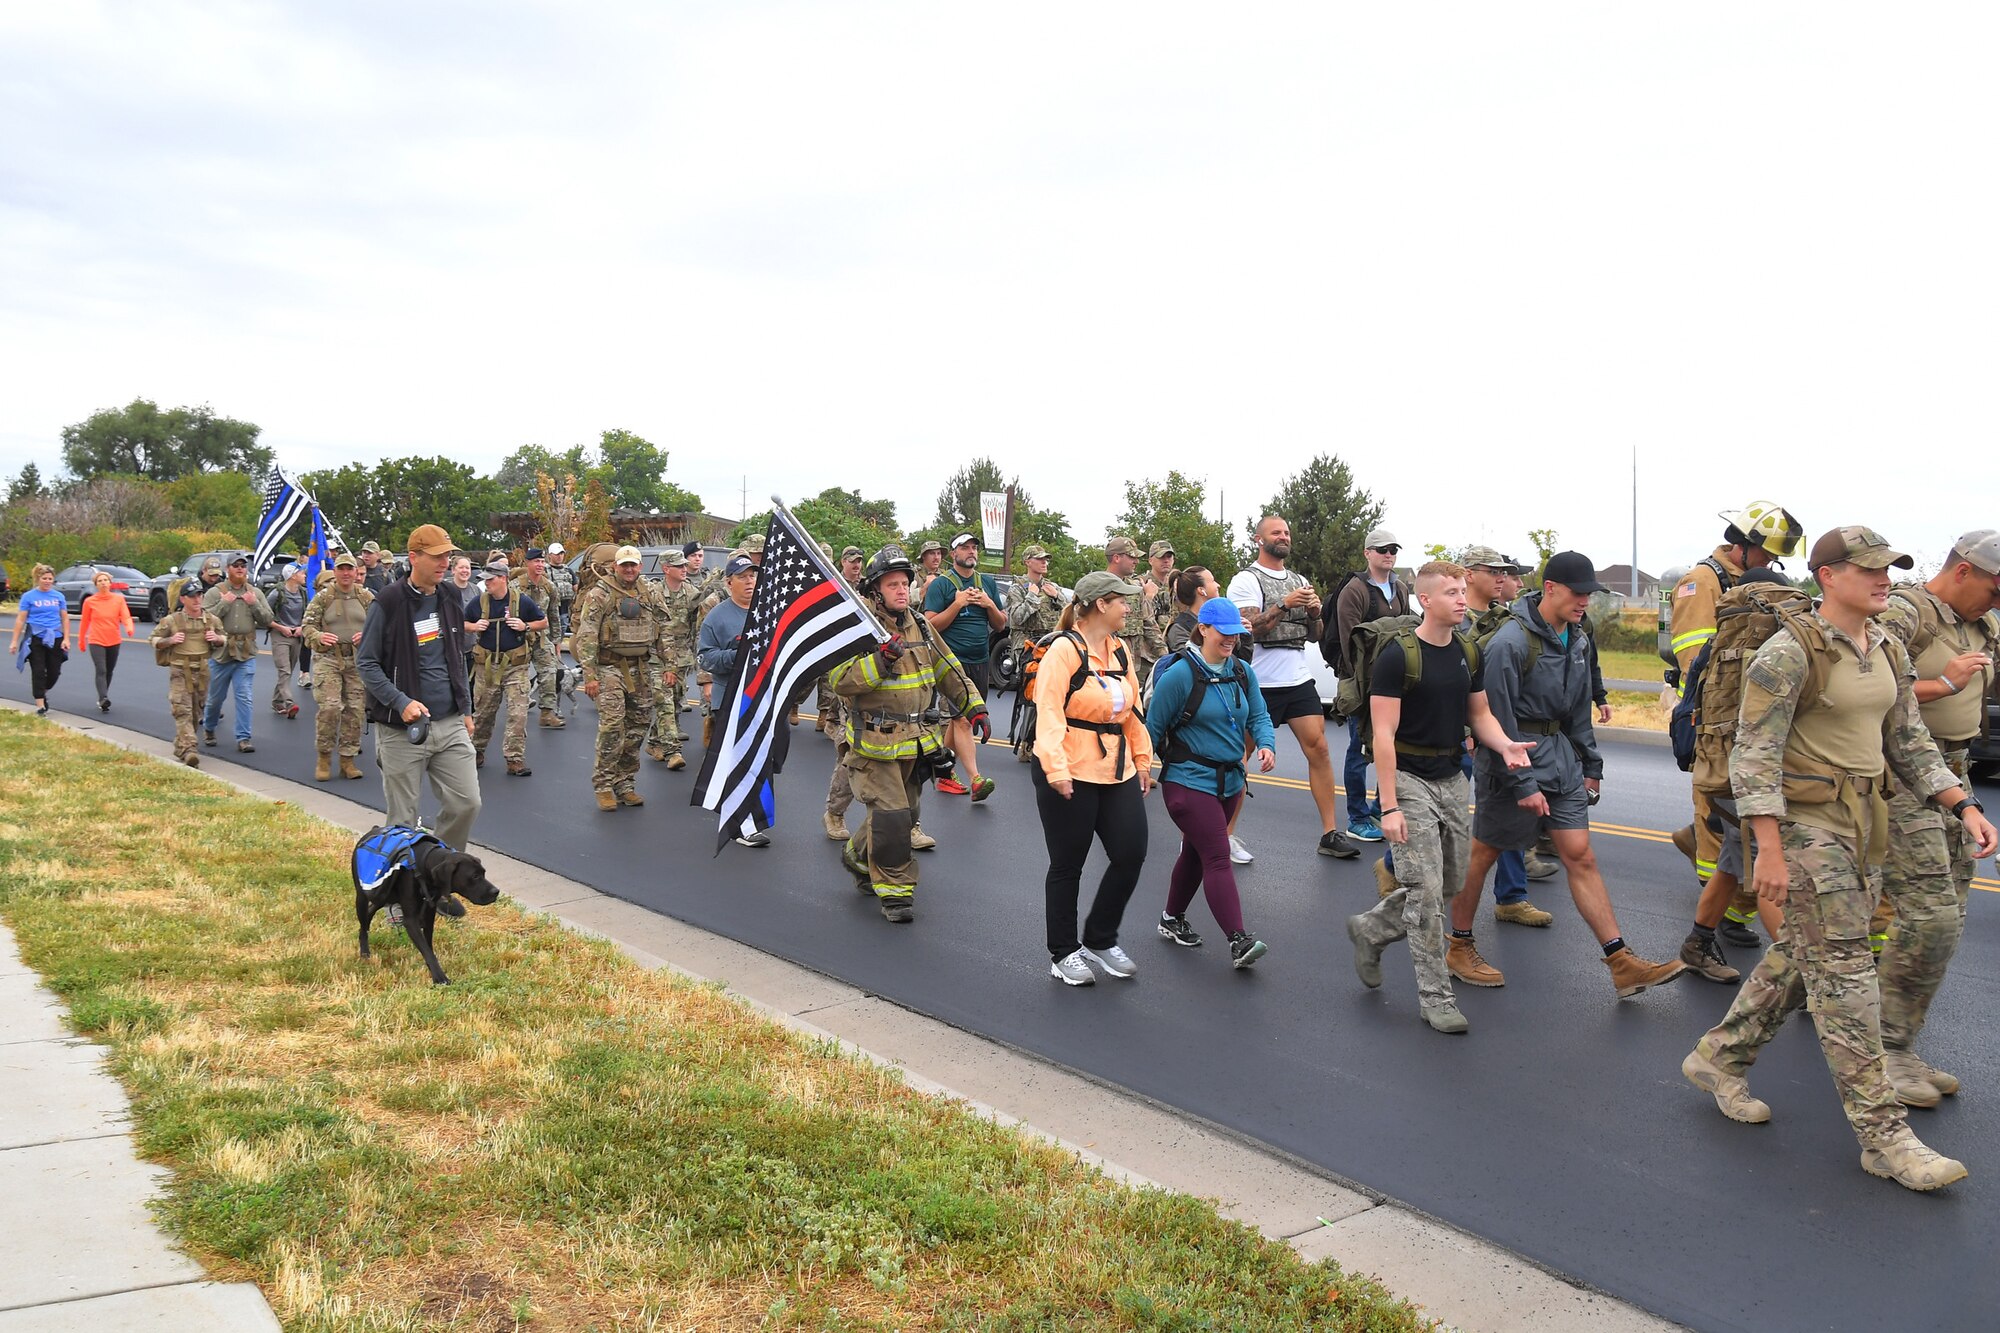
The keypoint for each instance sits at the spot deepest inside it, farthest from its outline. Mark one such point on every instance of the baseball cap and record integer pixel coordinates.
(690, 548)
(962, 538)
(534, 553)
(238, 559)
(193, 588)
(852, 553)
(429, 539)
(372, 546)
(738, 564)
(754, 542)
(1573, 570)
(1220, 613)
(1033, 553)
(1380, 539)
(1159, 548)
(555, 548)
(1856, 545)
(1120, 546)
(1485, 557)
(627, 555)
(343, 561)
(496, 572)
(291, 568)
(1980, 549)
(211, 563)
(1102, 583)
(672, 559)
(928, 547)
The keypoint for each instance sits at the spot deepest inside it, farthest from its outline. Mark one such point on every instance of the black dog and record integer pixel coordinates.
(410, 869)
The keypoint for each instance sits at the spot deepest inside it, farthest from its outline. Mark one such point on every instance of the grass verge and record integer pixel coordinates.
(1633, 708)
(561, 1139)
(1630, 666)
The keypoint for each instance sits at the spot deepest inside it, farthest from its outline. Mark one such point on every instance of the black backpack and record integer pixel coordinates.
(1687, 710)
(1177, 750)
(1021, 731)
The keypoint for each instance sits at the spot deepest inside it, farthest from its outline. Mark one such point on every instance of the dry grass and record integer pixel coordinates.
(1629, 708)
(562, 1140)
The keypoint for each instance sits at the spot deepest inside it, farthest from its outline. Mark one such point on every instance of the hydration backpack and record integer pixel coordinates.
(1022, 729)
(1350, 703)
(1746, 617)
(1177, 750)
(1330, 647)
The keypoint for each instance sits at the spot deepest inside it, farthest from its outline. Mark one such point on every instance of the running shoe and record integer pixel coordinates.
(951, 787)
(1113, 960)
(1073, 970)
(1335, 843)
(982, 788)
(757, 839)
(1177, 929)
(1243, 950)
(1238, 852)
(1365, 829)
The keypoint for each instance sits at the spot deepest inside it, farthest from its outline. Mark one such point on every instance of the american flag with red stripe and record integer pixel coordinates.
(803, 621)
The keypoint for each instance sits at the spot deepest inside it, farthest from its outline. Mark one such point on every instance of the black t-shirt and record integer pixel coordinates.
(1434, 711)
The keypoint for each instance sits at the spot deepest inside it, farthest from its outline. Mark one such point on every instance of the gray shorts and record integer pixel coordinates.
(1499, 821)
(1729, 861)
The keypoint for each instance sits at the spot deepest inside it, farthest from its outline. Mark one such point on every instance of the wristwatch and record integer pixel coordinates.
(1958, 811)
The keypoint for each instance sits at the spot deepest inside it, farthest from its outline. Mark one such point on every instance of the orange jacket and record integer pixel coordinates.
(106, 618)
(1075, 753)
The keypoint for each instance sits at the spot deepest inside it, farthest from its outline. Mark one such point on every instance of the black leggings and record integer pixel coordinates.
(1115, 814)
(104, 661)
(45, 664)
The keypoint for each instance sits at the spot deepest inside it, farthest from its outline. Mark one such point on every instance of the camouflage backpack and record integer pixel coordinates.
(598, 564)
(1747, 616)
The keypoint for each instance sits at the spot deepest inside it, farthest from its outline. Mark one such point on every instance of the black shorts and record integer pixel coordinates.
(980, 673)
(1290, 701)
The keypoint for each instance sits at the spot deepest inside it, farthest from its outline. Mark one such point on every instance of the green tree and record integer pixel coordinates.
(216, 502)
(1174, 509)
(958, 502)
(27, 485)
(1329, 517)
(385, 502)
(840, 518)
(1544, 541)
(518, 469)
(635, 470)
(141, 440)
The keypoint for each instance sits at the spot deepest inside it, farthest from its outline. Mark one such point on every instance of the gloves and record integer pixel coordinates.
(982, 727)
(892, 652)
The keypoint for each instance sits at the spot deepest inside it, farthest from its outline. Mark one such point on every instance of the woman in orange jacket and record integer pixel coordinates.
(106, 621)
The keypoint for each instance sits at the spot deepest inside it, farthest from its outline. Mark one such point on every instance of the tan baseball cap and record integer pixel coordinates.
(1380, 539)
(1856, 545)
(376, 548)
(627, 555)
(1159, 548)
(343, 561)
(1120, 546)
(1101, 583)
(430, 539)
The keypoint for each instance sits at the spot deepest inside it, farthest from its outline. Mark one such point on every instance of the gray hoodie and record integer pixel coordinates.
(1555, 689)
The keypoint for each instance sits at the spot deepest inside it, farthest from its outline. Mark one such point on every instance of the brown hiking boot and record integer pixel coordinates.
(836, 827)
(630, 797)
(606, 801)
(1910, 1164)
(1385, 879)
(1907, 1075)
(1704, 957)
(1523, 913)
(657, 753)
(1466, 964)
(323, 769)
(551, 718)
(348, 768)
(191, 760)
(1631, 974)
(1684, 841)
(675, 763)
(1731, 1092)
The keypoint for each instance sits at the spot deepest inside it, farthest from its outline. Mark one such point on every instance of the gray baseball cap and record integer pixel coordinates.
(1102, 583)
(1980, 548)
(1120, 545)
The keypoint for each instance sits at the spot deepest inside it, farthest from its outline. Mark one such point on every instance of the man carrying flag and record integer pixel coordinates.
(892, 735)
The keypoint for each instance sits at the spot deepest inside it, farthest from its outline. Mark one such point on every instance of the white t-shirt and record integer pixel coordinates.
(1276, 668)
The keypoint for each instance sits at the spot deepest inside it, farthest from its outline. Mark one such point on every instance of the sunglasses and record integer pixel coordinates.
(1385, 550)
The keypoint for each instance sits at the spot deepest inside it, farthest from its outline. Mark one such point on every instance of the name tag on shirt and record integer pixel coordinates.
(427, 630)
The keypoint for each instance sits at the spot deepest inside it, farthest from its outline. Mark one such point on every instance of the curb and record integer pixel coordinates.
(1453, 1275)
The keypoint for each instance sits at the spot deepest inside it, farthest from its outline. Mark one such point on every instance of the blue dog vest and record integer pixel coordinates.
(383, 851)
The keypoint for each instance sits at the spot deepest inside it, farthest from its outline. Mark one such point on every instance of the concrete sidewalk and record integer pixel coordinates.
(82, 1250)
(1456, 1277)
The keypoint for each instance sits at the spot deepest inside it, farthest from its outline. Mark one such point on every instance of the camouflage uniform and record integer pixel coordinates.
(1430, 869)
(187, 674)
(612, 648)
(676, 654)
(564, 583)
(1822, 959)
(1032, 613)
(1144, 637)
(543, 650)
(500, 680)
(338, 693)
(1927, 880)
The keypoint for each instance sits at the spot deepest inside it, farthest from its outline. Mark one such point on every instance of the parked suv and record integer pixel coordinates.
(79, 581)
(190, 568)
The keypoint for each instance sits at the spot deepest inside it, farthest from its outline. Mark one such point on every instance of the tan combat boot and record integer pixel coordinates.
(1523, 913)
(836, 827)
(657, 753)
(1943, 1082)
(1385, 879)
(675, 763)
(348, 768)
(1631, 974)
(606, 801)
(323, 770)
(1731, 1091)
(550, 718)
(1465, 963)
(630, 797)
(921, 841)
(1910, 1164)
(1911, 1080)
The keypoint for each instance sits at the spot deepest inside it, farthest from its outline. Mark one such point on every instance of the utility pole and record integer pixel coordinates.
(1635, 522)
(743, 513)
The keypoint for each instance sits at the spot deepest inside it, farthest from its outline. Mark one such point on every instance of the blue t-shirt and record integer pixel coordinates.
(44, 611)
(968, 633)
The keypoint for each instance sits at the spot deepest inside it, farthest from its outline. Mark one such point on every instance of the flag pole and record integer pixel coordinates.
(812, 551)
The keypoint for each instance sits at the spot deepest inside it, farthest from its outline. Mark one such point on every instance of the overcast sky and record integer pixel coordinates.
(1482, 252)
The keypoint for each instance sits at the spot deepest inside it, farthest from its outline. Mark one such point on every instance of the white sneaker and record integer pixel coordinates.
(1072, 970)
(1113, 960)
(1238, 852)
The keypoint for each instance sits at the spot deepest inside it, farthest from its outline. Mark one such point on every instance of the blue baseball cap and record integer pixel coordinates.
(1219, 613)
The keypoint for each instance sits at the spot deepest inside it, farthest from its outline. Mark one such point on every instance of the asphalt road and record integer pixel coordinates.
(1560, 1127)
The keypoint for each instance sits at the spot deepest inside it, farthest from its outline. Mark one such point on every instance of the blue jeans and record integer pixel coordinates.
(1354, 777)
(223, 677)
(1510, 873)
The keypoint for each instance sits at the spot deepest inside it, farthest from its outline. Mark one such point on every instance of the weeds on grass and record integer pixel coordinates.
(561, 1140)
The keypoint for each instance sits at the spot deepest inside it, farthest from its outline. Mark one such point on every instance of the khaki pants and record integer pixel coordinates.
(496, 686)
(624, 712)
(446, 756)
(341, 699)
(1926, 887)
(187, 693)
(284, 661)
(891, 792)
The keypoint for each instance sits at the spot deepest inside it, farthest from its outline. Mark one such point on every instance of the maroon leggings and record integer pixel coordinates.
(1203, 819)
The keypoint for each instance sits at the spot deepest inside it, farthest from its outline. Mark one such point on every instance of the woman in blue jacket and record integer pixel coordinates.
(1203, 781)
(43, 620)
